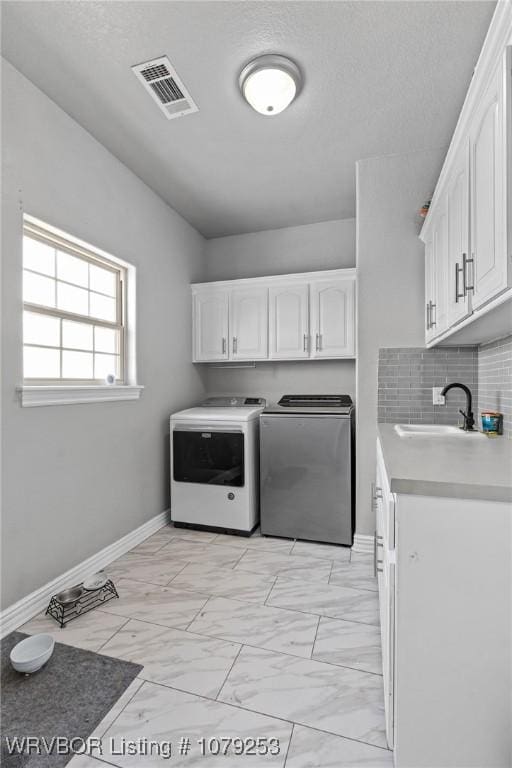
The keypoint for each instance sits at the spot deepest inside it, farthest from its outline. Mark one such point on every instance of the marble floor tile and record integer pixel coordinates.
(287, 566)
(194, 552)
(342, 701)
(224, 582)
(156, 568)
(190, 534)
(313, 749)
(173, 657)
(335, 552)
(159, 605)
(256, 541)
(348, 644)
(358, 573)
(161, 714)
(118, 707)
(326, 600)
(258, 625)
(89, 631)
(84, 761)
(155, 542)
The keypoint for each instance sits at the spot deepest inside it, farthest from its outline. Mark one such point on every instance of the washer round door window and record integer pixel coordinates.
(213, 457)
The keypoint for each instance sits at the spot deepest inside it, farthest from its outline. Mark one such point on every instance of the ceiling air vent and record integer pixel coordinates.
(161, 80)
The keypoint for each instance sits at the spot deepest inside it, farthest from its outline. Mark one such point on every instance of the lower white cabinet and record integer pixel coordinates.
(288, 317)
(444, 575)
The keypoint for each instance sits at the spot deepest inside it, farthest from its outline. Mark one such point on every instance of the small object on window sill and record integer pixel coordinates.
(110, 379)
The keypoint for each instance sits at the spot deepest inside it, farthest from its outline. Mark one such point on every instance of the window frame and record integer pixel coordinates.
(46, 236)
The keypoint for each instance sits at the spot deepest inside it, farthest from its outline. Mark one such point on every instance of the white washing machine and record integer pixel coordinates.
(215, 465)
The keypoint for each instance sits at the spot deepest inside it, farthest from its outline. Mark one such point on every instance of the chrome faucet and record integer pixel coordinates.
(469, 421)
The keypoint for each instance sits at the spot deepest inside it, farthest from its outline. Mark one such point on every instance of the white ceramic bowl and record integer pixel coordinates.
(96, 581)
(31, 653)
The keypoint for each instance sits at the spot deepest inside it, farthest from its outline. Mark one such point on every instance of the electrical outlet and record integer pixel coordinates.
(437, 397)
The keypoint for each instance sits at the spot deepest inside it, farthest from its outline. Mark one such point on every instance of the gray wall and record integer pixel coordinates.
(495, 380)
(406, 378)
(327, 245)
(76, 478)
(390, 262)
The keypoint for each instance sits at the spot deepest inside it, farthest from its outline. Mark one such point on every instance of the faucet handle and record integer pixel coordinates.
(469, 421)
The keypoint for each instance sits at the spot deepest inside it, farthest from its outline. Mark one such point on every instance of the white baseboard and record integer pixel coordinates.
(363, 543)
(19, 613)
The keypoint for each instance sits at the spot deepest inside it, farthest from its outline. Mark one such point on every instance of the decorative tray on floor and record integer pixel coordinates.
(76, 601)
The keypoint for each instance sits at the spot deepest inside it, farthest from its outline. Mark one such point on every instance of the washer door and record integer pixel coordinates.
(208, 456)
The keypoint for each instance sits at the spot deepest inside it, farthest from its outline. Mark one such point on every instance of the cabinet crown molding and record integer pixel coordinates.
(326, 274)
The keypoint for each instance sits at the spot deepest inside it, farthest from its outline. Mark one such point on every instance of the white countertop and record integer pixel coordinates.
(468, 467)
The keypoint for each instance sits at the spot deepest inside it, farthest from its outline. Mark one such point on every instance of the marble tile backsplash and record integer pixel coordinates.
(495, 380)
(406, 377)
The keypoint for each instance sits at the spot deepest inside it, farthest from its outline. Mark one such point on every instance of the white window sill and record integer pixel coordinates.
(31, 396)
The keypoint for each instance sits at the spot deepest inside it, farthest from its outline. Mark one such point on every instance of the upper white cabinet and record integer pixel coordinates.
(430, 287)
(487, 132)
(211, 329)
(468, 230)
(248, 312)
(436, 277)
(458, 236)
(289, 321)
(287, 317)
(332, 318)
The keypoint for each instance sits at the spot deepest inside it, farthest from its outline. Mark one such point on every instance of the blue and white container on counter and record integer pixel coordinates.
(492, 423)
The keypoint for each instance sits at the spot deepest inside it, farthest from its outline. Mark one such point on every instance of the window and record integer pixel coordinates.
(74, 317)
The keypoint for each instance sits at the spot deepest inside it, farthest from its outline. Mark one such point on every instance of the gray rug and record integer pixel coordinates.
(68, 697)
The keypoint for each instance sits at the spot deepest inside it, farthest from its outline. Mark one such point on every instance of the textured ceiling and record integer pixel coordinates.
(380, 78)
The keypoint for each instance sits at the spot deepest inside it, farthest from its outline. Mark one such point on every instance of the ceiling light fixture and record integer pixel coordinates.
(270, 83)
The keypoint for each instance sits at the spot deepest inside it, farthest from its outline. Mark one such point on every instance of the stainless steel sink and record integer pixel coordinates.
(431, 430)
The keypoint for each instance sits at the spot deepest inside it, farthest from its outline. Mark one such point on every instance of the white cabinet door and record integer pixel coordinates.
(332, 313)
(385, 567)
(248, 312)
(429, 285)
(439, 308)
(210, 323)
(488, 192)
(458, 237)
(289, 321)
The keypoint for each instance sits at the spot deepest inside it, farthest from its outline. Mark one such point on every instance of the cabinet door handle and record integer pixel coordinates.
(235, 345)
(465, 280)
(428, 315)
(432, 307)
(305, 346)
(318, 342)
(458, 295)
(223, 345)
